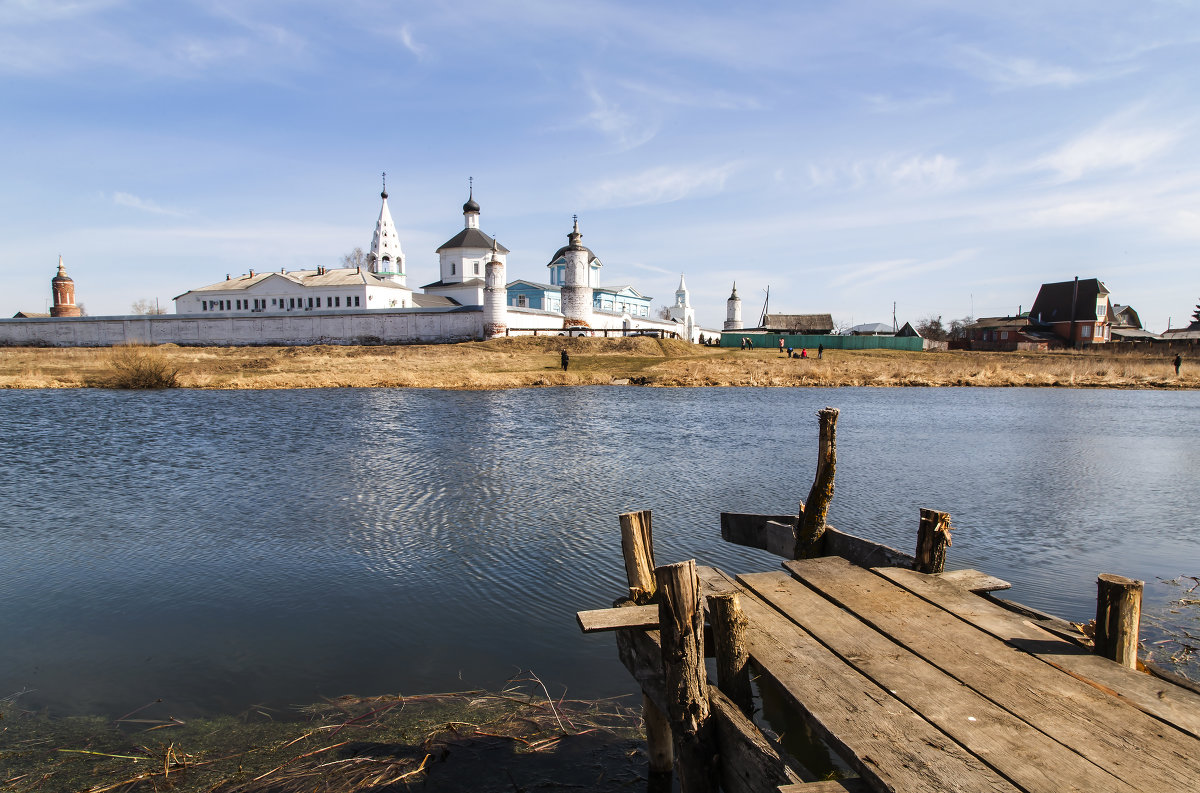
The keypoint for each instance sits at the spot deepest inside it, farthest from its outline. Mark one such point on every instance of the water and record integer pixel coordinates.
(226, 549)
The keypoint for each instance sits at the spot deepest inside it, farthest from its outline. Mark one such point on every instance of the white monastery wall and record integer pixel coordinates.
(386, 326)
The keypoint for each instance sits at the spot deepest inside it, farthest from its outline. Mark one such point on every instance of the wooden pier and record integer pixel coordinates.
(916, 678)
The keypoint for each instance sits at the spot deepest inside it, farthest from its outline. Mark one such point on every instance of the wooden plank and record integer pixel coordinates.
(879, 737)
(974, 581)
(598, 620)
(1019, 752)
(828, 786)
(752, 531)
(1120, 739)
(748, 763)
(641, 653)
(862, 552)
(1159, 698)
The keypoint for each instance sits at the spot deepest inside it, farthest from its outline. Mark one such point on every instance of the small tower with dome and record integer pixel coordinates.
(576, 285)
(63, 287)
(386, 258)
(683, 313)
(733, 311)
(495, 296)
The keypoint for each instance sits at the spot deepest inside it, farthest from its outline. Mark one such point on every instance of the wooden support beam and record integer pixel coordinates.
(830, 786)
(599, 620)
(681, 630)
(1118, 618)
(637, 546)
(816, 508)
(749, 763)
(733, 656)
(661, 752)
(933, 538)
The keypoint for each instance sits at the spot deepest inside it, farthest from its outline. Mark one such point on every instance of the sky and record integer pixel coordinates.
(945, 158)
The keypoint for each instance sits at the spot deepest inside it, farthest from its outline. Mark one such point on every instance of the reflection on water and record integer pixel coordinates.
(220, 549)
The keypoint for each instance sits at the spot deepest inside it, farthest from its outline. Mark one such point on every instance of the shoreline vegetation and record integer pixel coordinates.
(532, 362)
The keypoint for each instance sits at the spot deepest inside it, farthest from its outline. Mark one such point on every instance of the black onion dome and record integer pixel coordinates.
(471, 206)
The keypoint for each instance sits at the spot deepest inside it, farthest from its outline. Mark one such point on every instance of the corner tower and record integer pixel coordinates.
(63, 288)
(733, 311)
(576, 285)
(386, 258)
(495, 297)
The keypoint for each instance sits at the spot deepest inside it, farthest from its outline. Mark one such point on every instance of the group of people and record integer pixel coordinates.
(791, 353)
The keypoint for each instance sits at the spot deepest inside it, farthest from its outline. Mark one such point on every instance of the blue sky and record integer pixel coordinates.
(945, 156)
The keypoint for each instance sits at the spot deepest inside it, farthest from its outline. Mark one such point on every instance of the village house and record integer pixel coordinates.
(1078, 311)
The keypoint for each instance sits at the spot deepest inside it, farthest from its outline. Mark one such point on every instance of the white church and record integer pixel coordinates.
(574, 298)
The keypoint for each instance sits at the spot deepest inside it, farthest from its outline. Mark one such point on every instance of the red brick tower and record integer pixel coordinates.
(64, 294)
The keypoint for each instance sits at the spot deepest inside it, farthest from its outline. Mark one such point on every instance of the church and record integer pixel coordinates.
(574, 291)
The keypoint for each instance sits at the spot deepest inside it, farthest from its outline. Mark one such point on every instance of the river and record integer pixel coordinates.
(226, 549)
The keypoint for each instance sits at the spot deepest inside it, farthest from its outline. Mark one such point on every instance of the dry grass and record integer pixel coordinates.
(534, 362)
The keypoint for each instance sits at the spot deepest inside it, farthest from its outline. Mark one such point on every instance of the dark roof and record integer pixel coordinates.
(908, 331)
(29, 315)
(471, 238)
(474, 282)
(1000, 323)
(1126, 317)
(562, 251)
(813, 323)
(1053, 303)
(433, 301)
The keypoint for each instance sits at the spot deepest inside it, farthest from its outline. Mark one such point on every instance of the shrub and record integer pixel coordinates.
(137, 366)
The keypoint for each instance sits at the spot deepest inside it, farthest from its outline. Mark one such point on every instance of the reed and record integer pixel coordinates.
(528, 362)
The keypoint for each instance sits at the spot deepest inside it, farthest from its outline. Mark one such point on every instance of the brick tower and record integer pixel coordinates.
(64, 294)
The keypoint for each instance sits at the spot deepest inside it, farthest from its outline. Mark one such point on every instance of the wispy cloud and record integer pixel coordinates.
(144, 205)
(660, 185)
(870, 273)
(892, 104)
(625, 129)
(913, 172)
(1108, 147)
(404, 34)
(1019, 72)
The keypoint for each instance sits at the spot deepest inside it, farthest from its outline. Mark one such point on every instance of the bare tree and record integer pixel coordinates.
(146, 306)
(663, 312)
(841, 327)
(931, 328)
(959, 327)
(355, 258)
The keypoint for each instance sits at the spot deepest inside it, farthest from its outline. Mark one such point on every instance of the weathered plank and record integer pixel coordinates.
(879, 737)
(752, 531)
(864, 553)
(974, 581)
(828, 786)
(1144, 752)
(1159, 698)
(748, 763)
(598, 620)
(729, 637)
(1019, 752)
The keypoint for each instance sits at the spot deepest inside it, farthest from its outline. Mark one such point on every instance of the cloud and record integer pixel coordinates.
(625, 129)
(1018, 72)
(1107, 148)
(917, 171)
(870, 273)
(885, 104)
(661, 185)
(404, 34)
(144, 205)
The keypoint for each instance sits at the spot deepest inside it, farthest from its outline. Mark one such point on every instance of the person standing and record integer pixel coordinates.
(781, 344)
(820, 351)
(565, 359)
(1178, 361)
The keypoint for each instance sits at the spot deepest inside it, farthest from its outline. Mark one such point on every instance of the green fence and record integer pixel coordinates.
(798, 341)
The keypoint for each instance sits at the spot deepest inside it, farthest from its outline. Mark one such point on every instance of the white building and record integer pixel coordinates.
(683, 313)
(463, 258)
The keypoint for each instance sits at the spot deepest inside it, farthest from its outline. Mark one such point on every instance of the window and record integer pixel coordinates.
(291, 303)
(356, 300)
(204, 305)
(318, 302)
(1003, 334)
(1085, 331)
(310, 303)
(522, 301)
(452, 266)
(476, 268)
(337, 301)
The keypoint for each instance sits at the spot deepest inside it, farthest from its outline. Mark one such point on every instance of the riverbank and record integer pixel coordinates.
(528, 362)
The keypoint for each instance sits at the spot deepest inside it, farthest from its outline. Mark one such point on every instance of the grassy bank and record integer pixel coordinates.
(533, 362)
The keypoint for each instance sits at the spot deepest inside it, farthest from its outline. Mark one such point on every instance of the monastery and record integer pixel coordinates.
(374, 303)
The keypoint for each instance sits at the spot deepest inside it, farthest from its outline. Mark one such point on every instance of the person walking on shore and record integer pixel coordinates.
(820, 351)
(1178, 361)
(565, 359)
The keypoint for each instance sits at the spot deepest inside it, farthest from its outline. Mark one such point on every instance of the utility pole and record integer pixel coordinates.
(894, 316)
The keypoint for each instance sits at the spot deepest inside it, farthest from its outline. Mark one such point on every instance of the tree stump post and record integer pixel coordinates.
(814, 511)
(933, 538)
(1118, 618)
(637, 546)
(681, 628)
(733, 656)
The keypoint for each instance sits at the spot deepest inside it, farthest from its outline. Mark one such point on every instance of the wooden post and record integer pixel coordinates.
(1118, 617)
(637, 545)
(933, 538)
(814, 511)
(733, 657)
(681, 628)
